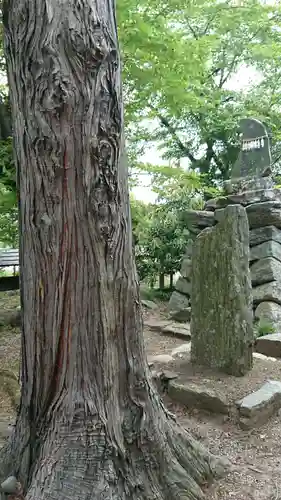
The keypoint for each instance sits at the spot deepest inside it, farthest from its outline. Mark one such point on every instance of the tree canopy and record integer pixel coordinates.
(180, 61)
(180, 67)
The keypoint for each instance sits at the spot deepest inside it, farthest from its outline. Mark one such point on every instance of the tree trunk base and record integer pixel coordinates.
(159, 462)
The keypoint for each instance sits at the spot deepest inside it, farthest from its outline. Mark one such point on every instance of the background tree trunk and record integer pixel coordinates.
(90, 423)
(171, 280)
(161, 281)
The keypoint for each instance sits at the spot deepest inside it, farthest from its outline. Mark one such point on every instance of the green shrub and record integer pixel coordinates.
(264, 327)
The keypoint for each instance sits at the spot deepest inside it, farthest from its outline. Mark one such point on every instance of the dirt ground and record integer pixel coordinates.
(255, 455)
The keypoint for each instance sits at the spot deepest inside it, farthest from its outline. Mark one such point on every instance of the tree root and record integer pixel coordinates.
(163, 464)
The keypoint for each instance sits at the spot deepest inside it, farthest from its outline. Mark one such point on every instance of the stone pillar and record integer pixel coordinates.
(221, 315)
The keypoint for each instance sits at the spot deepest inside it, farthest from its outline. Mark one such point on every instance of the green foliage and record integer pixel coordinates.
(8, 198)
(162, 235)
(154, 294)
(264, 327)
(179, 61)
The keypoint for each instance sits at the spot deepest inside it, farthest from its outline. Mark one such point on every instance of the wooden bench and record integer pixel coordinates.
(9, 257)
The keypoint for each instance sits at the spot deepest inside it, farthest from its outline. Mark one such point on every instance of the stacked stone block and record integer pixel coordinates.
(263, 206)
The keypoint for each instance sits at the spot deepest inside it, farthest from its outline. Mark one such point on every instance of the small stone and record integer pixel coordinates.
(149, 304)
(258, 355)
(177, 330)
(183, 286)
(168, 327)
(182, 349)
(265, 270)
(262, 234)
(269, 312)
(266, 249)
(10, 485)
(161, 358)
(269, 345)
(192, 396)
(156, 325)
(167, 375)
(259, 406)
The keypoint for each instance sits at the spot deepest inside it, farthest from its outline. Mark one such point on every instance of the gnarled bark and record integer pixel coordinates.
(90, 423)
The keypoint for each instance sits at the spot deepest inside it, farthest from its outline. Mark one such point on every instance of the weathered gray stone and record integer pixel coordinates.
(268, 292)
(149, 304)
(10, 317)
(269, 312)
(179, 307)
(183, 285)
(246, 184)
(221, 314)
(259, 214)
(181, 349)
(244, 198)
(156, 325)
(186, 268)
(259, 406)
(264, 214)
(9, 486)
(177, 330)
(198, 219)
(194, 396)
(161, 358)
(167, 375)
(266, 249)
(269, 345)
(262, 234)
(265, 270)
(6, 430)
(168, 327)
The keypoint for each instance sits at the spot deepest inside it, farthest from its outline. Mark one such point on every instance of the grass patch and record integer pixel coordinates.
(264, 327)
(155, 294)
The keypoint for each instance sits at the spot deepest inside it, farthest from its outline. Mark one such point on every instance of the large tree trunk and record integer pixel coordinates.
(90, 423)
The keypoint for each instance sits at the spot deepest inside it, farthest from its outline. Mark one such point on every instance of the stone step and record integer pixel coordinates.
(269, 345)
(166, 327)
(195, 396)
(256, 408)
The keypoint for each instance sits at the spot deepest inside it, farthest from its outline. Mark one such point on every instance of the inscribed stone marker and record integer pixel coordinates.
(254, 158)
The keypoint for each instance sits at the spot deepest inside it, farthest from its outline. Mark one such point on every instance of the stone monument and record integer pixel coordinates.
(221, 315)
(254, 157)
(251, 186)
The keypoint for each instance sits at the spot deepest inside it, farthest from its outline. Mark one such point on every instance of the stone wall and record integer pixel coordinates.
(263, 206)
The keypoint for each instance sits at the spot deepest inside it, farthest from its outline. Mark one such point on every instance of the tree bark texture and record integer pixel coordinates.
(222, 304)
(90, 424)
